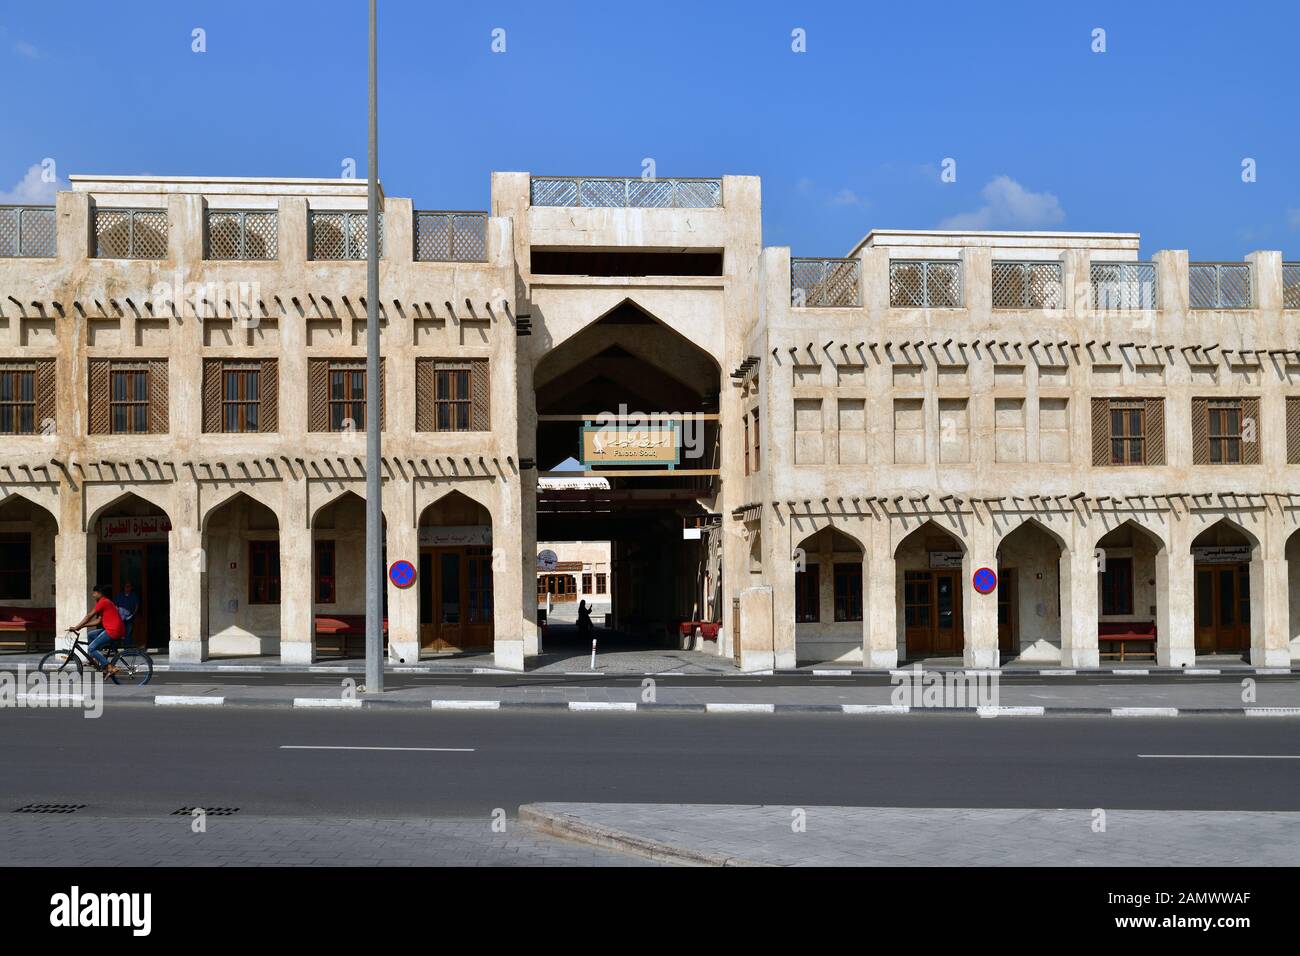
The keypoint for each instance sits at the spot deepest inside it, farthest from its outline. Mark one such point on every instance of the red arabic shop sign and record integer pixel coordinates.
(134, 528)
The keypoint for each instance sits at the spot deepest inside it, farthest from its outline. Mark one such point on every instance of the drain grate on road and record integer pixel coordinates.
(209, 811)
(51, 808)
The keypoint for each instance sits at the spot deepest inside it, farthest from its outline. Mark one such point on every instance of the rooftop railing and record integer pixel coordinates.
(1123, 285)
(825, 283)
(450, 236)
(243, 234)
(341, 235)
(1027, 285)
(1291, 285)
(925, 284)
(131, 233)
(27, 232)
(628, 193)
(1219, 285)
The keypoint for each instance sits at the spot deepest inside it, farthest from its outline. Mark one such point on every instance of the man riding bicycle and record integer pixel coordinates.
(109, 621)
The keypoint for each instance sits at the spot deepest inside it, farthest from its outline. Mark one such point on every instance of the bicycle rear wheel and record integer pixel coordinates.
(60, 662)
(134, 668)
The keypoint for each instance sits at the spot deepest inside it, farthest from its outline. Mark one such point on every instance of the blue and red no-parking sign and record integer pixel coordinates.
(401, 573)
(985, 580)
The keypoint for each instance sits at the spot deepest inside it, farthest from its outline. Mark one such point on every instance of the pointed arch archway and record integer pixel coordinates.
(1029, 593)
(1222, 559)
(338, 599)
(640, 376)
(241, 579)
(28, 532)
(828, 592)
(127, 548)
(928, 564)
(1132, 585)
(455, 575)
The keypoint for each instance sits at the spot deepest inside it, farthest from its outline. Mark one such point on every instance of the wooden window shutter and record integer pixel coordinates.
(383, 394)
(1293, 430)
(212, 394)
(47, 396)
(1200, 431)
(1155, 436)
(480, 390)
(159, 413)
(268, 412)
(97, 369)
(318, 384)
(1250, 449)
(1101, 431)
(425, 395)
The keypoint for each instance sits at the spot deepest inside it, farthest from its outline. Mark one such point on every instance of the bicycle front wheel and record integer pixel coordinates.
(60, 662)
(134, 667)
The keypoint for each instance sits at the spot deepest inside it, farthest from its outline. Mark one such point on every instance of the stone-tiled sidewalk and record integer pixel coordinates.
(884, 836)
(75, 840)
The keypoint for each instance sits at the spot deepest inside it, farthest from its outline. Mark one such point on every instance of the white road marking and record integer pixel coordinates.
(448, 750)
(875, 708)
(1144, 711)
(1272, 711)
(740, 708)
(1010, 711)
(187, 700)
(326, 702)
(1220, 756)
(466, 704)
(601, 705)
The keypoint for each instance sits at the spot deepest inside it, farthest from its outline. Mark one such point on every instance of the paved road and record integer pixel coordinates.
(138, 760)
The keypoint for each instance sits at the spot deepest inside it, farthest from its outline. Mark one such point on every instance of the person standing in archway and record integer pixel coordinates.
(128, 607)
(584, 620)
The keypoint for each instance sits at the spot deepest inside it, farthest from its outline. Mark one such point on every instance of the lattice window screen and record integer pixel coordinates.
(1293, 430)
(268, 419)
(1101, 431)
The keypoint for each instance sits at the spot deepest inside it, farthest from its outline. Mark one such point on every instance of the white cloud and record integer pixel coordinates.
(1293, 218)
(1009, 205)
(26, 50)
(847, 197)
(32, 189)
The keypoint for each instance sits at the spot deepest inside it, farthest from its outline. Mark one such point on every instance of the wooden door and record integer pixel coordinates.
(918, 612)
(947, 613)
(1222, 608)
(1008, 612)
(456, 598)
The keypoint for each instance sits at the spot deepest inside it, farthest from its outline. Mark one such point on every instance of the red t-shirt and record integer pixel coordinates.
(109, 619)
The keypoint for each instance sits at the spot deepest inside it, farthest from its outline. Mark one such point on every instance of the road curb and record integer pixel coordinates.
(569, 827)
(728, 708)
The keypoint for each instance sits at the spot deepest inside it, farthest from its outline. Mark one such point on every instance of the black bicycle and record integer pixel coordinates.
(126, 665)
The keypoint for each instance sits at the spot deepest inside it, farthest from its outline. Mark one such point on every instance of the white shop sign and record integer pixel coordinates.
(945, 559)
(1233, 554)
(134, 528)
(452, 536)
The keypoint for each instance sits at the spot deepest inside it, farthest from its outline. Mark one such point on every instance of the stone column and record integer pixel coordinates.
(880, 613)
(186, 567)
(403, 539)
(513, 623)
(72, 584)
(297, 577)
(1270, 611)
(1175, 600)
(1079, 582)
(781, 570)
(980, 611)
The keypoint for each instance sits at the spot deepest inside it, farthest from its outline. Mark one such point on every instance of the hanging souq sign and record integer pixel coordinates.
(451, 536)
(623, 444)
(134, 528)
(1231, 554)
(945, 559)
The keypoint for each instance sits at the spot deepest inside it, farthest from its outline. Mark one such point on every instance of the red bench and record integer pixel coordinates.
(1124, 633)
(23, 627)
(341, 633)
(708, 629)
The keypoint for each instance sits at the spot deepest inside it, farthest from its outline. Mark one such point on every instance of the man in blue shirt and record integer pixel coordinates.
(128, 606)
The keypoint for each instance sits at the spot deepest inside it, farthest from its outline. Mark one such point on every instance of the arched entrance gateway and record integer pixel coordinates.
(627, 414)
(27, 579)
(127, 544)
(930, 584)
(1221, 557)
(455, 575)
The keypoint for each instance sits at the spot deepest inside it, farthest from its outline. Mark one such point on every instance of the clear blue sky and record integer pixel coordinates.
(1148, 136)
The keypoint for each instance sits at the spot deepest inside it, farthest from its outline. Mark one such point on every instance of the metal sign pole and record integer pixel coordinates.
(374, 487)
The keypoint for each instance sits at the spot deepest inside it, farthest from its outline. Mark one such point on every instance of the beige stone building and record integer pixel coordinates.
(818, 454)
